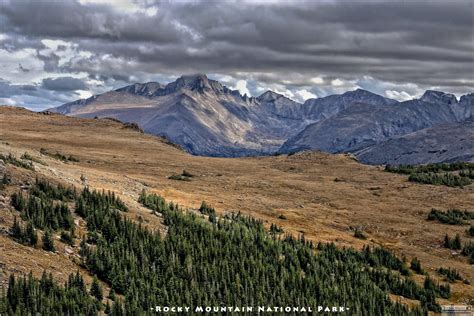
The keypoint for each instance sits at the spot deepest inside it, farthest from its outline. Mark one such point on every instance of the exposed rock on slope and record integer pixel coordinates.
(444, 143)
(322, 108)
(363, 125)
(207, 118)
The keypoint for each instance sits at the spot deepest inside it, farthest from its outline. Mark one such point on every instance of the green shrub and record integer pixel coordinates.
(359, 234)
(12, 160)
(59, 156)
(179, 177)
(451, 217)
(450, 275)
(437, 174)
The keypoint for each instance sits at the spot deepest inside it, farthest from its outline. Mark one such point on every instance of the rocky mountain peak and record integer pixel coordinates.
(145, 89)
(361, 94)
(193, 82)
(467, 99)
(364, 96)
(438, 97)
(269, 96)
(197, 82)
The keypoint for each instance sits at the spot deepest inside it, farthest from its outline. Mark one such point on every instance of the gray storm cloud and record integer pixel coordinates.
(388, 46)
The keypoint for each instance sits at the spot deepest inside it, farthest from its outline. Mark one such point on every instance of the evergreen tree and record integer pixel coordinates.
(31, 235)
(468, 249)
(96, 289)
(67, 238)
(48, 242)
(117, 309)
(5, 179)
(359, 234)
(470, 231)
(107, 308)
(112, 294)
(456, 244)
(416, 266)
(16, 231)
(206, 209)
(29, 296)
(447, 241)
(450, 274)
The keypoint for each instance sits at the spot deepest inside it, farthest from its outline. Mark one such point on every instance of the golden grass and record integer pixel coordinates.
(302, 187)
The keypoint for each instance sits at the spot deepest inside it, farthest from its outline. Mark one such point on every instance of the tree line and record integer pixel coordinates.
(233, 260)
(437, 174)
(27, 295)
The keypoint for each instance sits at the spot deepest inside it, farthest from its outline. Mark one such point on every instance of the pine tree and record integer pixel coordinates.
(447, 241)
(456, 244)
(27, 295)
(112, 294)
(117, 309)
(16, 231)
(67, 238)
(48, 242)
(31, 235)
(107, 308)
(416, 266)
(470, 231)
(5, 179)
(96, 289)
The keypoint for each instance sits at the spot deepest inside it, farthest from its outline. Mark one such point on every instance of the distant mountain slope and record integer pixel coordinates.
(363, 125)
(199, 114)
(207, 118)
(444, 143)
(329, 106)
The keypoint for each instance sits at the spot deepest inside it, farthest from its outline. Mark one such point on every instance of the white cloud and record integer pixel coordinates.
(287, 93)
(84, 94)
(10, 66)
(54, 44)
(186, 30)
(317, 80)
(151, 11)
(7, 101)
(337, 82)
(242, 87)
(303, 95)
(122, 5)
(398, 95)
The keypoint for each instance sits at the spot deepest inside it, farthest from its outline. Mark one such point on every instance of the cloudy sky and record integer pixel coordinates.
(52, 52)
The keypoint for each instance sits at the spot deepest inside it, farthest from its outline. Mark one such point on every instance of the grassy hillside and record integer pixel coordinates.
(325, 197)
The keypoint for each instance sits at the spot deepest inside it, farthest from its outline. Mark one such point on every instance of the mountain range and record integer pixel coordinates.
(206, 118)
